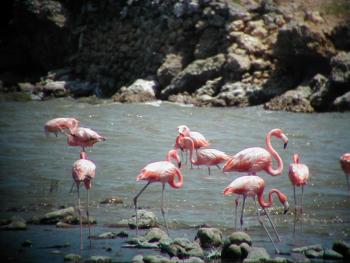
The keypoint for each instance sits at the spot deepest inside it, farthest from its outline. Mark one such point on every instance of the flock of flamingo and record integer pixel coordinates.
(250, 160)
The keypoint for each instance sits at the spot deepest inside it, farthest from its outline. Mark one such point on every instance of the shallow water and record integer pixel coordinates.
(138, 134)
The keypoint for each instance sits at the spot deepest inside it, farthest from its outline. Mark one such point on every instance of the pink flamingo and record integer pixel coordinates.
(208, 157)
(60, 125)
(84, 171)
(254, 186)
(255, 159)
(84, 137)
(163, 172)
(345, 165)
(298, 175)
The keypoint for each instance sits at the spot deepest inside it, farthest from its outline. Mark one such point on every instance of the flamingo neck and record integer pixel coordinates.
(179, 176)
(275, 155)
(266, 204)
(191, 144)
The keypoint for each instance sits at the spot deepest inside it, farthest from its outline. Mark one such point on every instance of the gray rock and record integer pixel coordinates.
(342, 247)
(152, 239)
(231, 251)
(209, 237)
(112, 200)
(340, 68)
(72, 257)
(146, 219)
(237, 63)
(137, 259)
(239, 237)
(211, 87)
(316, 247)
(340, 36)
(257, 254)
(182, 248)
(322, 96)
(99, 259)
(195, 75)
(332, 255)
(140, 91)
(56, 88)
(237, 93)
(171, 66)
(55, 216)
(16, 223)
(106, 235)
(342, 103)
(312, 253)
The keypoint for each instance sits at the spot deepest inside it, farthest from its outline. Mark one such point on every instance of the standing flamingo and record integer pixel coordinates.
(84, 137)
(208, 157)
(163, 172)
(345, 165)
(298, 175)
(254, 186)
(84, 171)
(255, 159)
(60, 125)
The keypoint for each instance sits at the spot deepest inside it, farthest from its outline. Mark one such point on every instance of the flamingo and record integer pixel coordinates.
(83, 137)
(254, 186)
(60, 125)
(208, 157)
(345, 165)
(84, 171)
(163, 172)
(255, 159)
(298, 175)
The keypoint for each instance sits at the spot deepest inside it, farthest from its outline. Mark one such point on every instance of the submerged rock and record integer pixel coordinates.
(146, 219)
(238, 238)
(182, 248)
(257, 254)
(99, 259)
(112, 200)
(342, 247)
(152, 239)
(316, 247)
(331, 254)
(209, 237)
(16, 223)
(72, 257)
(55, 216)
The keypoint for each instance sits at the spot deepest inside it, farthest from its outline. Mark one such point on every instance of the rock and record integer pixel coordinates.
(236, 246)
(74, 220)
(155, 259)
(316, 247)
(236, 25)
(171, 66)
(26, 87)
(312, 253)
(195, 75)
(156, 235)
(112, 200)
(252, 45)
(79, 88)
(340, 36)
(63, 225)
(99, 259)
(59, 74)
(207, 45)
(341, 69)
(332, 255)
(191, 260)
(238, 238)
(231, 252)
(55, 216)
(245, 249)
(122, 234)
(211, 87)
(257, 254)
(342, 248)
(106, 235)
(151, 240)
(55, 88)
(209, 237)
(72, 257)
(293, 100)
(342, 103)
(237, 63)
(16, 223)
(137, 259)
(27, 243)
(146, 219)
(58, 246)
(237, 93)
(322, 96)
(140, 91)
(182, 247)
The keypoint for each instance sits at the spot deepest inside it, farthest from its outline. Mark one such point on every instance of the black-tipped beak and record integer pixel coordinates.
(286, 207)
(179, 164)
(285, 145)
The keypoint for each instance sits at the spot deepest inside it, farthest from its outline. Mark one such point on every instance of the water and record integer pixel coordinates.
(138, 134)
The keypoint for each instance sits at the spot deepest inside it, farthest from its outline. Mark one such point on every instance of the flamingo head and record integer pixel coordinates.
(296, 158)
(280, 135)
(284, 201)
(172, 154)
(183, 129)
(228, 191)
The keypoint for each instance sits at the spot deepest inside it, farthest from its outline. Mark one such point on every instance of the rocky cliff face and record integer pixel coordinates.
(209, 53)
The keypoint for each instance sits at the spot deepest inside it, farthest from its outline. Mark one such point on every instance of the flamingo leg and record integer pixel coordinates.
(348, 181)
(72, 187)
(162, 209)
(218, 166)
(88, 215)
(209, 170)
(236, 206)
(302, 199)
(267, 232)
(242, 212)
(135, 204)
(272, 224)
(295, 200)
(80, 221)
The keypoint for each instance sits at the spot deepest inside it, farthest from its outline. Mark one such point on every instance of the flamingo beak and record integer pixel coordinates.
(179, 164)
(285, 145)
(286, 207)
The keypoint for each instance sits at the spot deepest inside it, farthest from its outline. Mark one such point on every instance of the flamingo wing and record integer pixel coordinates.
(157, 172)
(198, 140)
(298, 174)
(211, 156)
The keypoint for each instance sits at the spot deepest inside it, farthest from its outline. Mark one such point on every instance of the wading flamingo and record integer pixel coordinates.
(83, 137)
(298, 175)
(345, 165)
(254, 186)
(83, 171)
(60, 125)
(208, 157)
(163, 172)
(256, 159)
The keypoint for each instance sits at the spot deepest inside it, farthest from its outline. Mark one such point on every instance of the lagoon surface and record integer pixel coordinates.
(36, 172)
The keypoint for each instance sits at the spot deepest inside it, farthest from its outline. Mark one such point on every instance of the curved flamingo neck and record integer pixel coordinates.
(191, 144)
(275, 155)
(179, 176)
(266, 204)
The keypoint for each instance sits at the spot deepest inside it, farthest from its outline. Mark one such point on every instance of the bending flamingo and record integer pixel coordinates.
(83, 171)
(298, 175)
(60, 125)
(208, 157)
(345, 165)
(256, 159)
(84, 137)
(163, 172)
(254, 186)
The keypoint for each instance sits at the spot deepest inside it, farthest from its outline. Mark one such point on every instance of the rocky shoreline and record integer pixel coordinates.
(209, 245)
(218, 53)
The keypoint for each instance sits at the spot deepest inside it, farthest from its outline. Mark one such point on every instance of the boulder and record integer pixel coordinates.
(257, 254)
(322, 96)
(342, 103)
(72, 257)
(182, 248)
(251, 44)
(209, 237)
(140, 91)
(152, 239)
(237, 246)
(316, 247)
(296, 100)
(171, 66)
(330, 254)
(208, 43)
(232, 252)
(146, 219)
(55, 88)
(195, 75)
(340, 73)
(238, 64)
(342, 248)
(98, 259)
(340, 36)
(55, 216)
(16, 223)
(112, 200)
(211, 87)
(312, 253)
